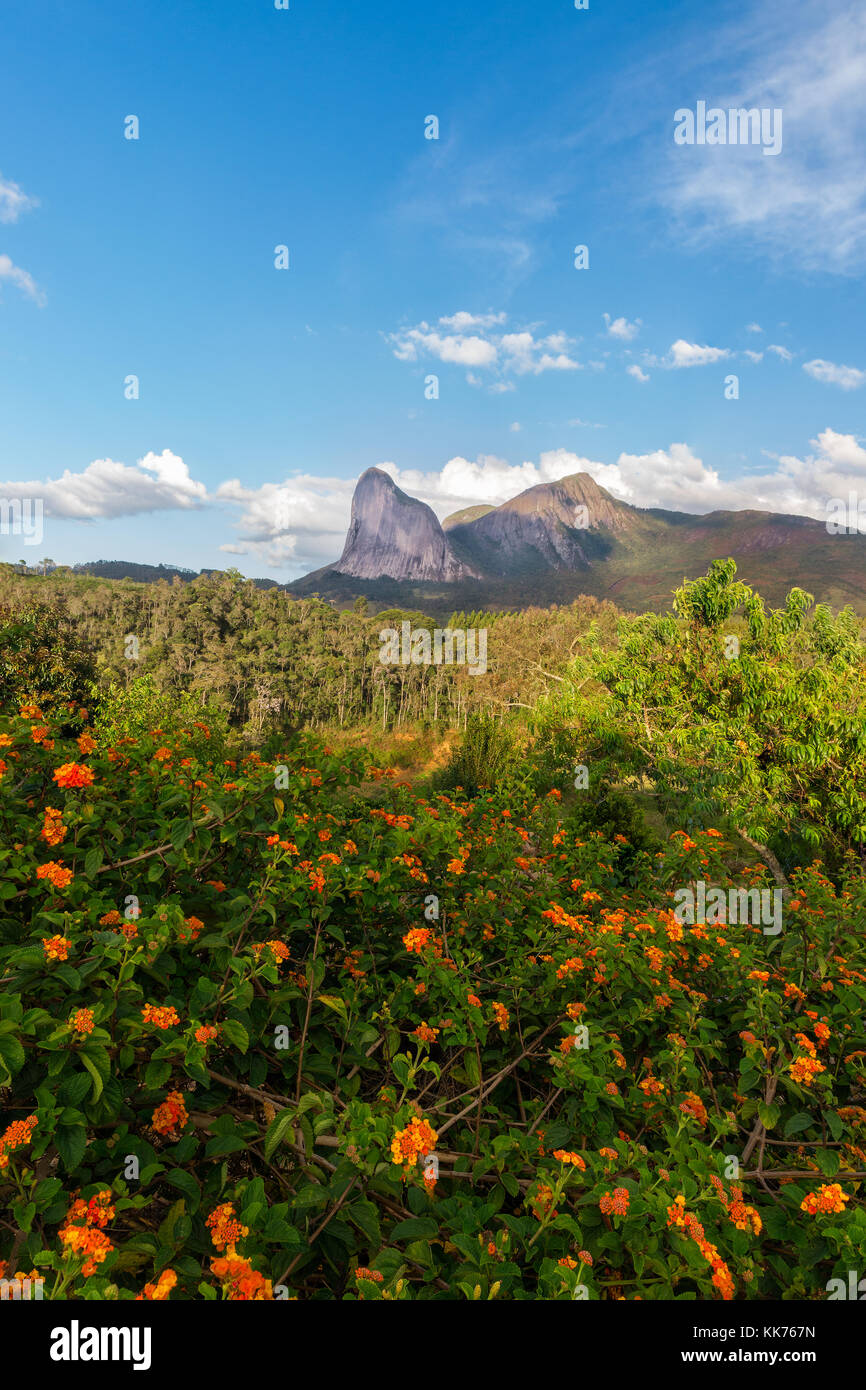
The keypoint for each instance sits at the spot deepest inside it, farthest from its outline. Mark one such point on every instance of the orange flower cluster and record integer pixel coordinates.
(571, 967)
(500, 1013)
(158, 1292)
(82, 1021)
(225, 1229)
(694, 1106)
(363, 1273)
(744, 1217)
(206, 1033)
(161, 1016)
(53, 830)
(828, 1198)
(805, 1069)
(171, 1114)
(56, 947)
(416, 1139)
(241, 1283)
(18, 1133)
(542, 1202)
(651, 1086)
(617, 1202)
(566, 1156)
(86, 744)
(194, 927)
(278, 949)
(686, 1221)
(424, 1033)
(56, 873)
(73, 775)
(82, 1234)
(422, 939)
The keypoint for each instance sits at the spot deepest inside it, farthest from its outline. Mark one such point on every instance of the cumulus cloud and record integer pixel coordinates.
(683, 354)
(677, 479)
(754, 356)
(14, 201)
(635, 371)
(782, 352)
(754, 328)
(621, 328)
(299, 523)
(21, 279)
(474, 341)
(105, 488)
(849, 378)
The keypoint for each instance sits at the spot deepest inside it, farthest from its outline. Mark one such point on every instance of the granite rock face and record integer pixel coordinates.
(554, 526)
(394, 536)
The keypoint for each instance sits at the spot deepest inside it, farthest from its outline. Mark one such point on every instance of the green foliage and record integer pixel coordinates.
(490, 754)
(132, 711)
(41, 658)
(243, 994)
(756, 722)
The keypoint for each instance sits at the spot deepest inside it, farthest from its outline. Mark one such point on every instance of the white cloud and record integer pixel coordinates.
(14, 201)
(677, 479)
(22, 279)
(754, 328)
(516, 427)
(782, 352)
(754, 356)
(105, 488)
(683, 354)
(298, 524)
(462, 320)
(635, 371)
(517, 353)
(621, 328)
(808, 204)
(849, 378)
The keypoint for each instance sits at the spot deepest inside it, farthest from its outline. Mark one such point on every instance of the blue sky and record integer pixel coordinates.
(264, 393)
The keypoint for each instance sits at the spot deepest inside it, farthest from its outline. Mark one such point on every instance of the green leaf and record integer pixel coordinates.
(279, 1127)
(797, 1123)
(93, 861)
(71, 1141)
(94, 1072)
(416, 1228)
(180, 833)
(769, 1114)
(236, 1033)
(12, 1053)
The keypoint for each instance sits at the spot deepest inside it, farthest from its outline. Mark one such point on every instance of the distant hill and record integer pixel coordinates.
(151, 574)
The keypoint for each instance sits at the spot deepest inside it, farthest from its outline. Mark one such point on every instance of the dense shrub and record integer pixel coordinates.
(240, 1003)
